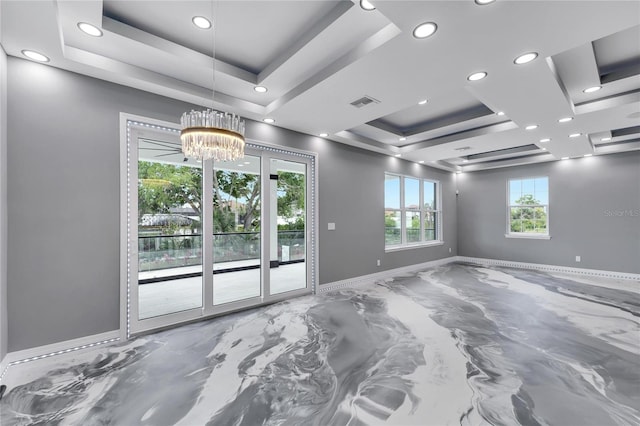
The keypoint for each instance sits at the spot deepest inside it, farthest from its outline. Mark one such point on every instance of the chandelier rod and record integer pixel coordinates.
(212, 134)
(214, 27)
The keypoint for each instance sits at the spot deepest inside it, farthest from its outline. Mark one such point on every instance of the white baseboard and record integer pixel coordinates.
(389, 273)
(371, 278)
(110, 337)
(550, 268)
(40, 352)
(3, 367)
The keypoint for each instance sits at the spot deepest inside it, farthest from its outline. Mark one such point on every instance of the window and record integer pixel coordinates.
(411, 211)
(528, 207)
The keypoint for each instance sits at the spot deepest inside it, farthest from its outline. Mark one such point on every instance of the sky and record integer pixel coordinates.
(411, 192)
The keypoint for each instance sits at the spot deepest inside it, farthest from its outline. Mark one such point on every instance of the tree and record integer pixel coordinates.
(164, 186)
(236, 195)
(228, 188)
(528, 219)
(291, 196)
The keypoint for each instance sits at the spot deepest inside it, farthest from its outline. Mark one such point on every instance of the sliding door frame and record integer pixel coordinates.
(131, 128)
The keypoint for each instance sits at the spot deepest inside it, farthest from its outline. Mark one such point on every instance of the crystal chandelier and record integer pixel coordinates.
(212, 134)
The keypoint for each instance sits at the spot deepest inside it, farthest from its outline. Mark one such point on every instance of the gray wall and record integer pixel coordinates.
(63, 202)
(594, 212)
(63, 212)
(3, 204)
(351, 195)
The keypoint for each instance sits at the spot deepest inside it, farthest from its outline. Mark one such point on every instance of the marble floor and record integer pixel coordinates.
(457, 344)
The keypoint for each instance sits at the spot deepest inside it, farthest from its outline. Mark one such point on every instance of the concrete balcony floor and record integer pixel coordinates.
(177, 295)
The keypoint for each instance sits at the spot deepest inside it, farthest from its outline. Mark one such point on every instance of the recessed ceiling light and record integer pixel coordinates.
(588, 155)
(605, 139)
(544, 149)
(525, 58)
(260, 89)
(35, 56)
(564, 158)
(545, 140)
(477, 76)
(92, 30)
(201, 22)
(483, 2)
(574, 135)
(425, 29)
(247, 162)
(269, 120)
(421, 161)
(592, 89)
(398, 155)
(323, 135)
(465, 161)
(240, 165)
(531, 127)
(402, 139)
(422, 102)
(565, 120)
(366, 5)
(500, 113)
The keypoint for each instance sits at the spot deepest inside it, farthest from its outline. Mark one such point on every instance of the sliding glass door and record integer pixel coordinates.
(288, 267)
(169, 222)
(250, 222)
(236, 230)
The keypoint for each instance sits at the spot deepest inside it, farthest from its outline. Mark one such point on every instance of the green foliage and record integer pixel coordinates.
(528, 219)
(297, 225)
(389, 222)
(415, 222)
(392, 232)
(236, 196)
(224, 220)
(165, 186)
(527, 199)
(291, 193)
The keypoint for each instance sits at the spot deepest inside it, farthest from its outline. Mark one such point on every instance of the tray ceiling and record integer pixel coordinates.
(317, 57)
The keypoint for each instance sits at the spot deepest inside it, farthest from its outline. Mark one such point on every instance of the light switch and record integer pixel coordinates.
(332, 226)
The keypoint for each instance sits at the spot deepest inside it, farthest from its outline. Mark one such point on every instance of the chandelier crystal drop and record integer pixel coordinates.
(213, 135)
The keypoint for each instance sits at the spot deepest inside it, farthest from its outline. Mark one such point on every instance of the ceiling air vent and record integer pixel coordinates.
(364, 101)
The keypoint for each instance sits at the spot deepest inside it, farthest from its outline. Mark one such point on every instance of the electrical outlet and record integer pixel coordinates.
(578, 259)
(378, 262)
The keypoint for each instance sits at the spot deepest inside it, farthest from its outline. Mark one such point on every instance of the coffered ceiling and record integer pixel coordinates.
(362, 77)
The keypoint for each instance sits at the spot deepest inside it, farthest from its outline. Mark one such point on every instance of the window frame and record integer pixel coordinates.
(527, 235)
(421, 210)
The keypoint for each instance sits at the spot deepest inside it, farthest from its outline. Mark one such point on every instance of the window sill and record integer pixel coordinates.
(529, 236)
(413, 246)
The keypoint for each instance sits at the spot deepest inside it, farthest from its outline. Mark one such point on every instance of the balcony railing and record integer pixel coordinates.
(156, 252)
(393, 235)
